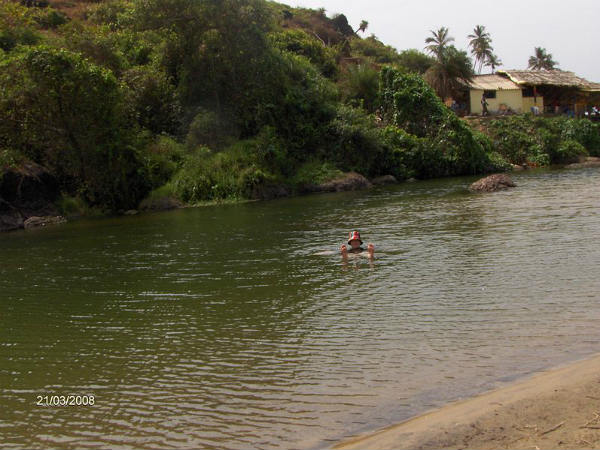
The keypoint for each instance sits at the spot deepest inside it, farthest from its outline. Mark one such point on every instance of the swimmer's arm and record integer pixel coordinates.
(371, 250)
(344, 251)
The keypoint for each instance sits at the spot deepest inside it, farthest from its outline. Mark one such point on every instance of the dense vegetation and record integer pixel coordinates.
(542, 141)
(230, 99)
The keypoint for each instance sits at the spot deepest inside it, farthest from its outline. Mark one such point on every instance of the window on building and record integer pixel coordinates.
(490, 94)
(528, 92)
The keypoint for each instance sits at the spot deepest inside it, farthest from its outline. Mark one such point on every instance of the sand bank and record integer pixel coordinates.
(558, 408)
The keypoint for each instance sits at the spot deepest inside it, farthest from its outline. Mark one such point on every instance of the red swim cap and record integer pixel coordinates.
(354, 236)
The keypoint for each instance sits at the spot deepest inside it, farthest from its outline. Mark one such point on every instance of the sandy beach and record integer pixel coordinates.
(558, 408)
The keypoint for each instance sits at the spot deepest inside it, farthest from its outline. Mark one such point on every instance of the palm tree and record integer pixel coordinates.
(542, 60)
(493, 61)
(450, 73)
(481, 45)
(438, 42)
(362, 27)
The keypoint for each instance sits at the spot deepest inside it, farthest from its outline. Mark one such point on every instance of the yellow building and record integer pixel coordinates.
(501, 94)
(538, 91)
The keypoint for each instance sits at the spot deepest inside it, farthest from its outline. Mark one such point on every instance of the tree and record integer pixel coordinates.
(68, 114)
(375, 50)
(542, 60)
(493, 61)
(362, 27)
(450, 72)
(446, 145)
(362, 85)
(452, 67)
(216, 51)
(438, 42)
(17, 26)
(153, 100)
(481, 45)
(415, 61)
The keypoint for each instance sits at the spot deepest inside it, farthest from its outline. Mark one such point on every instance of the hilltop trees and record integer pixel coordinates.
(542, 60)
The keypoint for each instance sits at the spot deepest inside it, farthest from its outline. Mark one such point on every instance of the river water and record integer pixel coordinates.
(232, 327)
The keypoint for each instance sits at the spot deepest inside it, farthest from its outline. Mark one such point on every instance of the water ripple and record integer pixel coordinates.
(240, 326)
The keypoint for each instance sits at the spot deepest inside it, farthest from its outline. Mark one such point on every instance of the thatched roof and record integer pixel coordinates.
(557, 78)
(493, 83)
(594, 87)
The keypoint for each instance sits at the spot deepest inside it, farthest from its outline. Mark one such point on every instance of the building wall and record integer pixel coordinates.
(511, 98)
(528, 102)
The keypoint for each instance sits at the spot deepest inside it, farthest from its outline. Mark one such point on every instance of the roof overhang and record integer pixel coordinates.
(493, 83)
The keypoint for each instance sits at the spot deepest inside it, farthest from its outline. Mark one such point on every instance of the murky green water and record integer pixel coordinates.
(222, 327)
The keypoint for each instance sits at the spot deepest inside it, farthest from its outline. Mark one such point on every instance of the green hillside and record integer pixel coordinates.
(203, 100)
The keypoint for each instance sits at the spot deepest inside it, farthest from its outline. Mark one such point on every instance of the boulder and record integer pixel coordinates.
(10, 220)
(35, 221)
(493, 183)
(383, 180)
(518, 168)
(590, 161)
(131, 212)
(350, 181)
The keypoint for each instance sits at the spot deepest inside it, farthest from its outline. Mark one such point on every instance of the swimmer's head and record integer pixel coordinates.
(354, 239)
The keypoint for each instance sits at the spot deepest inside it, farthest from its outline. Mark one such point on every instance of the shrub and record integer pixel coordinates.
(153, 99)
(10, 38)
(584, 131)
(209, 129)
(451, 146)
(315, 172)
(373, 50)
(192, 183)
(415, 61)
(409, 103)
(66, 113)
(10, 159)
(569, 151)
(52, 19)
(229, 174)
(117, 14)
(360, 86)
(163, 158)
(17, 26)
(513, 140)
(301, 43)
(96, 43)
(544, 141)
(358, 145)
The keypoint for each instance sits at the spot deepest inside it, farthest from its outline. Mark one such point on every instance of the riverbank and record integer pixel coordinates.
(39, 208)
(558, 408)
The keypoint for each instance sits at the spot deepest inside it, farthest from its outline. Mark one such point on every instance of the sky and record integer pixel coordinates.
(568, 29)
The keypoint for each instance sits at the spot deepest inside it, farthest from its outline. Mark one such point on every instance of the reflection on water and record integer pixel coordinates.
(228, 327)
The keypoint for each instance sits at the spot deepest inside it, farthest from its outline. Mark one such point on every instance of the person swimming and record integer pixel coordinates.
(355, 243)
